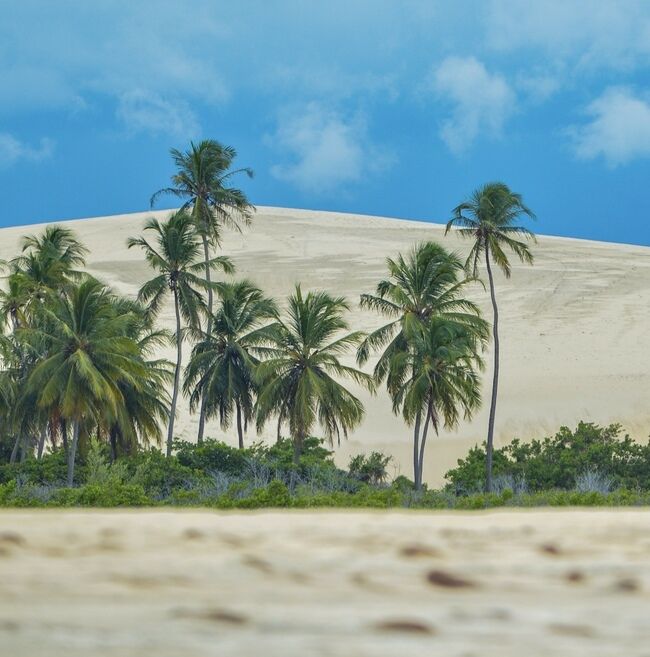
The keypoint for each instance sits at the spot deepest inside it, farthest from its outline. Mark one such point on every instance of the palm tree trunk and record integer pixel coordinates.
(429, 418)
(41, 441)
(113, 442)
(495, 379)
(416, 451)
(64, 435)
(177, 375)
(14, 451)
(206, 255)
(72, 452)
(240, 431)
(278, 436)
(25, 447)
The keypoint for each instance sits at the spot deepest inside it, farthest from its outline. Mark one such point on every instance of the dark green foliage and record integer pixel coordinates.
(370, 469)
(559, 461)
(217, 475)
(213, 456)
(51, 469)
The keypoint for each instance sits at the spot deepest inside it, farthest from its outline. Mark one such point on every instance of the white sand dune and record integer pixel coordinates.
(575, 327)
(325, 584)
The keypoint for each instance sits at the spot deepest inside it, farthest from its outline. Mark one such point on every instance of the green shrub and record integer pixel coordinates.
(213, 456)
(561, 462)
(108, 495)
(370, 469)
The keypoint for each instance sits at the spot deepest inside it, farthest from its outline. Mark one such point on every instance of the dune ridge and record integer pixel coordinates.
(574, 327)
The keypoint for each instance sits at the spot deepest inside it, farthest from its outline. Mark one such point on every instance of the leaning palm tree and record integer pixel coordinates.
(436, 378)
(175, 255)
(221, 369)
(87, 356)
(299, 378)
(489, 217)
(429, 282)
(202, 180)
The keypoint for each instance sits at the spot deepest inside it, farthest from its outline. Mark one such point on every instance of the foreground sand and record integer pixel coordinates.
(575, 327)
(164, 584)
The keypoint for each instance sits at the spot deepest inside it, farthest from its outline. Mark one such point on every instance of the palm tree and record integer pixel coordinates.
(298, 379)
(489, 217)
(429, 282)
(138, 419)
(87, 356)
(13, 302)
(47, 263)
(202, 180)
(175, 255)
(57, 244)
(436, 378)
(221, 369)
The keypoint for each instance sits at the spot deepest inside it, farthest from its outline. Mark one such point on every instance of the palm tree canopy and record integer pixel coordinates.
(88, 353)
(439, 373)
(202, 180)
(298, 379)
(222, 364)
(176, 256)
(428, 282)
(490, 217)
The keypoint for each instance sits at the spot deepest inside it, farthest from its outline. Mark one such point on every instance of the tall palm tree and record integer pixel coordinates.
(57, 244)
(436, 378)
(48, 262)
(489, 218)
(175, 255)
(299, 378)
(221, 369)
(202, 180)
(87, 356)
(429, 282)
(138, 419)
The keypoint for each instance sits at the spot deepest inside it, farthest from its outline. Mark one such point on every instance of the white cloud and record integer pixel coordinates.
(538, 87)
(482, 102)
(329, 150)
(55, 57)
(619, 129)
(588, 34)
(142, 111)
(13, 150)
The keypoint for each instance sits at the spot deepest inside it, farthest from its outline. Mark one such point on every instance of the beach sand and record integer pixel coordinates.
(330, 584)
(575, 327)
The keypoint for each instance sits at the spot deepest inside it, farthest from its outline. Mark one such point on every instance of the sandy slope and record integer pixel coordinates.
(575, 327)
(164, 584)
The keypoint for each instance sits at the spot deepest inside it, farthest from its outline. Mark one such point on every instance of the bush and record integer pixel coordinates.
(564, 461)
(370, 469)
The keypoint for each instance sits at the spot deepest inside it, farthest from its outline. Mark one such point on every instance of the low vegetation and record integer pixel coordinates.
(591, 466)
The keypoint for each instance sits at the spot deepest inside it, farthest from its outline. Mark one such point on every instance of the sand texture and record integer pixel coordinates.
(575, 328)
(367, 584)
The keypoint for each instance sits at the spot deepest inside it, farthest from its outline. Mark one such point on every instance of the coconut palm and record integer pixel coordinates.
(87, 356)
(57, 244)
(13, 302)
(489, 218)
(299, 377)
(47, 263)
(436, 379)
(175, 255)
(138, 419)
(429, 282)
(202, 180)
(221, 369)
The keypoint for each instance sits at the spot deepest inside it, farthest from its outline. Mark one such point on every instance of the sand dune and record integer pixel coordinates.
(170, 583)
(575, 327)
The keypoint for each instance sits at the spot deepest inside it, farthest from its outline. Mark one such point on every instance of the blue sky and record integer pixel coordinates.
(389, 107)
